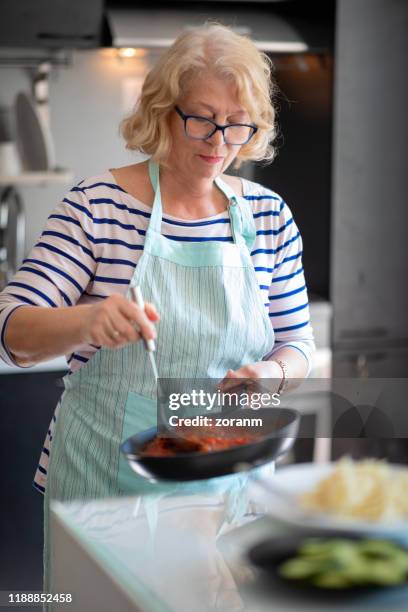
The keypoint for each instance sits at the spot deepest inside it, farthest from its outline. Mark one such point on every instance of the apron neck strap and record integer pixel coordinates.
(242, 221)
(157, 212)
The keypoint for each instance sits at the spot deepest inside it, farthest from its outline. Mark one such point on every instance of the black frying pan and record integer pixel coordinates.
(275, 437)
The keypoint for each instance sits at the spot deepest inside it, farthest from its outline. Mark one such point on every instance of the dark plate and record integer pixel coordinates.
(269, 554)
(278, 432)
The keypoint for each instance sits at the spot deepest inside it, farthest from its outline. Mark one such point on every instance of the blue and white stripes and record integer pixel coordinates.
(94, 238)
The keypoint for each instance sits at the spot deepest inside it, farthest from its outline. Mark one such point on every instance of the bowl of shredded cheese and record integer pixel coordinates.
(368, 496)
(369, 490)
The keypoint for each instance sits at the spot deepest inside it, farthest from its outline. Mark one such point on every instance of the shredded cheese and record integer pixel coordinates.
(369, 489)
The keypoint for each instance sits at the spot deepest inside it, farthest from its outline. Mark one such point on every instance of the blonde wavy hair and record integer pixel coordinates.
(210, 48)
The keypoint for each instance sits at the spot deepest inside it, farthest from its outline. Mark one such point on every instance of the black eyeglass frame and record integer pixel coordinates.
(217, 127)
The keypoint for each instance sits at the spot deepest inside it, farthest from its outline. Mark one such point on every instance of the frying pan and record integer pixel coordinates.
(274, 438)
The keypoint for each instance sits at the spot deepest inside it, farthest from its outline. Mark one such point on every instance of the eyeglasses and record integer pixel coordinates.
(201, 128)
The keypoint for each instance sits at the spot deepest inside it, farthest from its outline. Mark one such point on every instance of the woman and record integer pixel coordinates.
(222, 267)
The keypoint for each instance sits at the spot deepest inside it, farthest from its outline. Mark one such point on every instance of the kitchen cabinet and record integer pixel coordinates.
(27, 402)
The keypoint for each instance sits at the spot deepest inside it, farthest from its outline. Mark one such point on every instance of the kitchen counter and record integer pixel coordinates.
(110, 556)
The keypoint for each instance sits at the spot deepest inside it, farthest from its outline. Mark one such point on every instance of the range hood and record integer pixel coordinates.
(157, 27)
(276, 26)
(51, 24)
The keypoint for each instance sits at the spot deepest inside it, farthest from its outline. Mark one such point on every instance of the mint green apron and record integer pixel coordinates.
(212, 319)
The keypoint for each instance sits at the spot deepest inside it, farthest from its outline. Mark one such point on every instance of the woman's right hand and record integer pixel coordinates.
(115, 322)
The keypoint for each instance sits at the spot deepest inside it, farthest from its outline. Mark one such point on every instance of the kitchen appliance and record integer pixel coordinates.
(369, 246)
(157, 28)
(53, 24)
(280, 25)
(12, 234)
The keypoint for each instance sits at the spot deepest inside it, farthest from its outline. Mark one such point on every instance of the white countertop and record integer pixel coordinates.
(187, 558)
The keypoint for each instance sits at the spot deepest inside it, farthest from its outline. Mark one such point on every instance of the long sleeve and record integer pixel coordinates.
(288, 300)
(58, 268)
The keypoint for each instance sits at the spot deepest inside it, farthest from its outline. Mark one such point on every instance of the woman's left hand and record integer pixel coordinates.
(252, 372)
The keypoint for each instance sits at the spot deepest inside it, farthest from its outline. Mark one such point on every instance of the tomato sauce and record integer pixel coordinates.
(168, 446)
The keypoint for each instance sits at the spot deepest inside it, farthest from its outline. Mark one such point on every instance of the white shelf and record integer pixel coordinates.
(37, 178)
(321, 365)
(54, 365)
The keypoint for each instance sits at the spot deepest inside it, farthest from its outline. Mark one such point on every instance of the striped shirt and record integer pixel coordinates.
(94, 238)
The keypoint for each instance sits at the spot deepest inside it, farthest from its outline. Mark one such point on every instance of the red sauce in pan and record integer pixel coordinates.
(167, 446)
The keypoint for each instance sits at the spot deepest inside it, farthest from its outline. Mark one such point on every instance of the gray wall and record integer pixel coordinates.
(87, 102)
